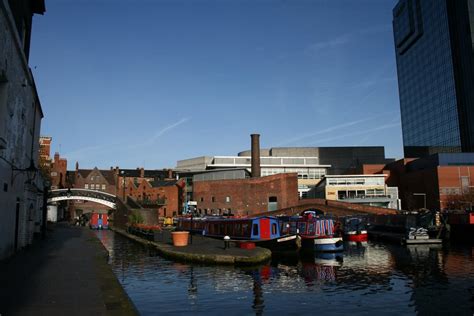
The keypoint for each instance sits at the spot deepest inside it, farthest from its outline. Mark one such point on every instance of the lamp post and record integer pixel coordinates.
(31, 171)
(424, 198)
(46, 187)
(123, 184)
(191, 230)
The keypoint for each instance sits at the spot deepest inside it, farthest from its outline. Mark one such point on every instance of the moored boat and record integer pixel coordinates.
(328, 244)
(317, 232)
(264, 231)
(99, 221)
(355, 228)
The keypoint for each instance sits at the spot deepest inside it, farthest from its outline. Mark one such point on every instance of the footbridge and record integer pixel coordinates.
(100, 197)
(336, 208)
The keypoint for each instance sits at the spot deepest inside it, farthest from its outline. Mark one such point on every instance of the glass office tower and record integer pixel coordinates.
(434, 52)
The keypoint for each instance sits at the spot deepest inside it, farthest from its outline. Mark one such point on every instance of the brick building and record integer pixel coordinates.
(58, 172)
(124, 176)
(246, 196)
(45, 150)
(163, 196)
(157, 190)
(430, 182)
(91, 179)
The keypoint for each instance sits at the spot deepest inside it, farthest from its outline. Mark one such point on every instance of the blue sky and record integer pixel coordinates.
(147, 83)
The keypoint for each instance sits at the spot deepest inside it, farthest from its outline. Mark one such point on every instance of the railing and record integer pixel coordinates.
(388, 196)
(83, 193)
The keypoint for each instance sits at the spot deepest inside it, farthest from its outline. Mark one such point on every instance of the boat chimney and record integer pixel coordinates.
(255, 155)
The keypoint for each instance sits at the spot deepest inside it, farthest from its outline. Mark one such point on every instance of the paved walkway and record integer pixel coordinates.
(66, 274)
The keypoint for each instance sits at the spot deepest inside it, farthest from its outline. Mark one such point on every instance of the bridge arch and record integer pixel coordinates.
(100, 197)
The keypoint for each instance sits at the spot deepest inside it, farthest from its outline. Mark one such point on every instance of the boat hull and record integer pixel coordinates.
(356, 236)
(333, 244)
(291, 242)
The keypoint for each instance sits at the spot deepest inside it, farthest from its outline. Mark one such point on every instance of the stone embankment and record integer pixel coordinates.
(203, 250)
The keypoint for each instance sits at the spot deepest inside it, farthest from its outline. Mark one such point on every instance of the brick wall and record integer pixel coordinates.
(171, 193)
(245, 196)
(58, 172)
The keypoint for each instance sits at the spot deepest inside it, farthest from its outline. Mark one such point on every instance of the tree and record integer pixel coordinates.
(462, 201)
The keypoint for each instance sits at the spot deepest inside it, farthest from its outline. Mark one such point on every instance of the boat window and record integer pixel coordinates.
(302, 227)
(238, 229)
(229, 229)
(221, 229)
(293, 227)
(311, 228)
(245, 229)
(274, 229)
(255, 229)
(283, 228)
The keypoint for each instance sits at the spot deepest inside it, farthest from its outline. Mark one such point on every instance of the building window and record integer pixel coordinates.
(103, 186)
(86, 186)
(54, 174)
(213, 199)
(92, 178)
(465, 184)
(227, 199)
(202, 199)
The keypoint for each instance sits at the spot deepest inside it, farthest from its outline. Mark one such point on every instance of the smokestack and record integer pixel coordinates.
(255, 155)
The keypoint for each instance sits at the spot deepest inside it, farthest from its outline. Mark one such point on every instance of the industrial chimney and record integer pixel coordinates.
(255, 155)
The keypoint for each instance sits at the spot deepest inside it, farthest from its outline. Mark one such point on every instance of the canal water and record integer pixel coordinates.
(369, 278)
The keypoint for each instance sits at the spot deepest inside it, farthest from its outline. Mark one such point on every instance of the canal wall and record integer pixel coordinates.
(204, 250)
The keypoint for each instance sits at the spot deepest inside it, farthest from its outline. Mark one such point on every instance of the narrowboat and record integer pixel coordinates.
(406, 228)
(355, 228)
(461, 226)
(317, 232)
(99, 221)
(264, 231)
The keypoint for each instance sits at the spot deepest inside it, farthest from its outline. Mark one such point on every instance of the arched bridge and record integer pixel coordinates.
(336, 208)
(100, 197)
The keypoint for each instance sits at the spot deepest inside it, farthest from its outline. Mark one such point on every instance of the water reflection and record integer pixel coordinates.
(366, 278)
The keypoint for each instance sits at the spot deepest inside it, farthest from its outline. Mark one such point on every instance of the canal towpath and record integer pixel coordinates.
(65, 274)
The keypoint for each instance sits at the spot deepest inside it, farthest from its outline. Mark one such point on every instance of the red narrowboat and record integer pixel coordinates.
(355, 228)
(99, 221)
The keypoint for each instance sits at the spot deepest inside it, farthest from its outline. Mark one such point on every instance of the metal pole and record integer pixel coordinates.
(45, 212)
(123, 186)
(191, 230)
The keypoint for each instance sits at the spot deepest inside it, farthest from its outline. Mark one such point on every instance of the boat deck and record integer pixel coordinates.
(401, 238)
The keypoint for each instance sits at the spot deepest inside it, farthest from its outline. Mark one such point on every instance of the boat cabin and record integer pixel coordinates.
(258, 228)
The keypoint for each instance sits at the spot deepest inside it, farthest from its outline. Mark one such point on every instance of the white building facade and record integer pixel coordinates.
(360, 189)
(21, 198)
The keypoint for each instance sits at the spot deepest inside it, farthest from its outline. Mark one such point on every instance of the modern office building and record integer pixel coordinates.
(435, 66)
(310, 163)
(366, 189)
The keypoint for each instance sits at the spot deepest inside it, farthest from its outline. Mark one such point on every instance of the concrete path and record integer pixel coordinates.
(66, 274)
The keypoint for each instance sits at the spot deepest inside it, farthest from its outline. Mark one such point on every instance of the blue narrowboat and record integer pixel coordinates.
(264, 231)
